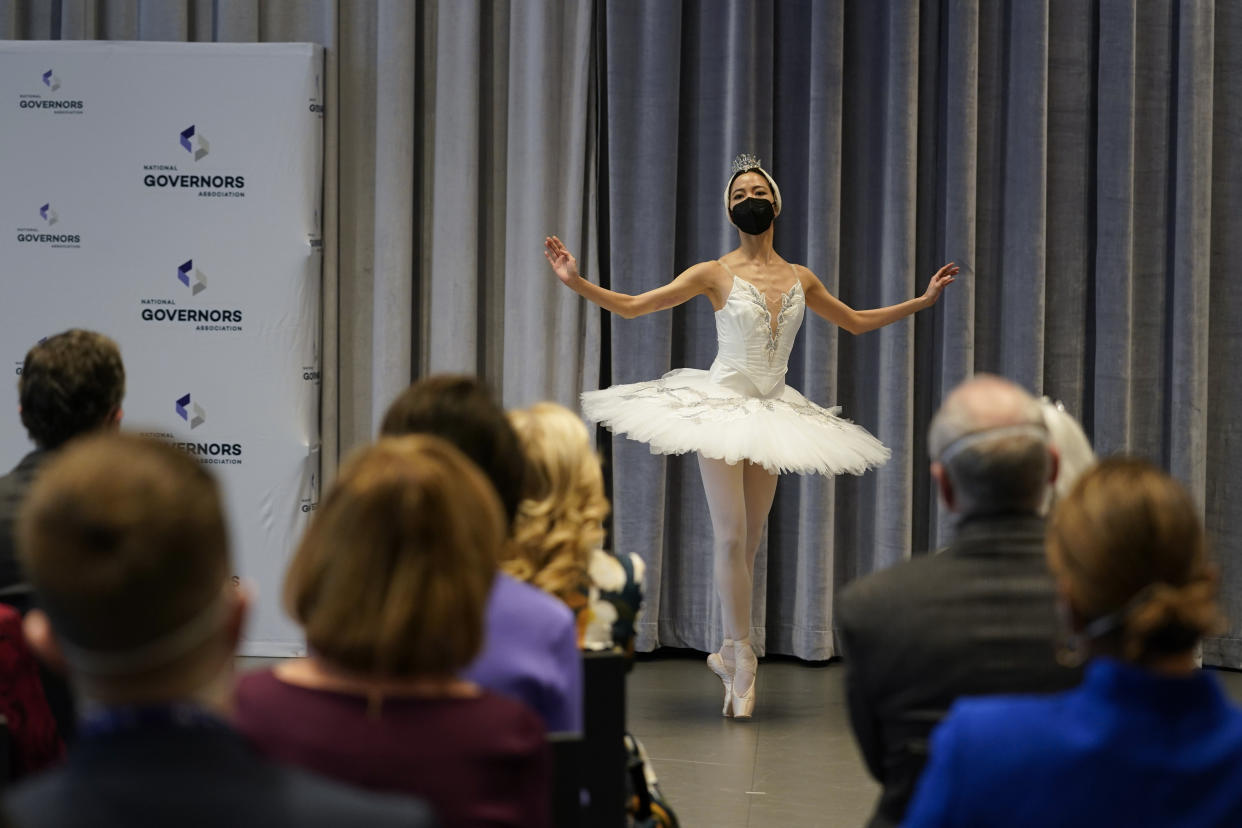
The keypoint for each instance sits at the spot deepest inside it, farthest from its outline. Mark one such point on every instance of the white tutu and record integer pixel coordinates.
(741, 409)
(686, 411)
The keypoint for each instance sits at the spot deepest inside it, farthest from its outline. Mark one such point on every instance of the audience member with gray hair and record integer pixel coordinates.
(1147, 738)
(979, 617)
(989, 449)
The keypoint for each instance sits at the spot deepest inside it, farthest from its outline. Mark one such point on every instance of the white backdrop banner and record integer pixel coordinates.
(168, 195)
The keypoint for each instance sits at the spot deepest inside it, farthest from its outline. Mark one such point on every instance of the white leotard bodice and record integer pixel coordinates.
(753, 348)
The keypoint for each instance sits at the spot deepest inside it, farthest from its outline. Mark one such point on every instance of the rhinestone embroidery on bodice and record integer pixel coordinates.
(754, 338)
(787, 308)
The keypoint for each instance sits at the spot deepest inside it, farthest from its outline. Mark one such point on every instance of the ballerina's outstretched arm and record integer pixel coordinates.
(837, 312)
(700, 279)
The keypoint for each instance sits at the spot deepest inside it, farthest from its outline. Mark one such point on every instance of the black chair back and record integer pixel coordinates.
(604, 758)
(7, 765)
(568, 799)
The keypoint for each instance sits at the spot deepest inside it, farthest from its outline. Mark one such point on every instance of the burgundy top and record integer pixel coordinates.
(32, 730)
(479, 761)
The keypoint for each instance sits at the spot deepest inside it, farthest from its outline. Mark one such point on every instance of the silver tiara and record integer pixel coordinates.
(745, 161)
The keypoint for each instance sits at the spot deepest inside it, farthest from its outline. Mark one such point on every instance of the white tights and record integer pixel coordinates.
(739, 497)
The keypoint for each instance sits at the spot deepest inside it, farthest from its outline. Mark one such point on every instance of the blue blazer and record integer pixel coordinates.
(1127, 747)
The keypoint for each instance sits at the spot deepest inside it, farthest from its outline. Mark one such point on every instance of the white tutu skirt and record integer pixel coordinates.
(686, 411)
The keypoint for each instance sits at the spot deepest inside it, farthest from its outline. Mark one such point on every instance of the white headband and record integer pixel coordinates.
(745, 163)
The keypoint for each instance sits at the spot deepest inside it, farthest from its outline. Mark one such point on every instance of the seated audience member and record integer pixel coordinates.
(979, 617)
(530, 652)
(1074, 452)
(71, 384)
(560, 526)
(390, 584)
(123, 539)
(1147, 739)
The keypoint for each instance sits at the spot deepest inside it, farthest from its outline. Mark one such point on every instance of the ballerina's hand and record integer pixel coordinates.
(944, 276)
(562, 261)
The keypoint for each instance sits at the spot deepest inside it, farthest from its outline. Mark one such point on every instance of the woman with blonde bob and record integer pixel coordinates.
(389, 584)
(559, 529)
(1147, 739)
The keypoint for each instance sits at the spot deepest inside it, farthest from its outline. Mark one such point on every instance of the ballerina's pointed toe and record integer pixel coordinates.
(743, 706)
(736, 705)
(717, 665)
(745, 662)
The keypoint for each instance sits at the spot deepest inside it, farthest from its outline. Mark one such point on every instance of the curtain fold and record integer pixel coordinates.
(1224, 393)
(550, 343)
(459, 189)
(642, 77)
(1070, 201)
(1189, 264)
(1076, 158)
(393, 242)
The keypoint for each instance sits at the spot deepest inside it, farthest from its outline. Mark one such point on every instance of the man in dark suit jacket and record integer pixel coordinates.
(979, 617)
(71, 384)
(124, 542)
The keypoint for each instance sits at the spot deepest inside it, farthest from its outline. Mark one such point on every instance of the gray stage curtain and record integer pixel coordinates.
(1072, 156)
(1076, 157)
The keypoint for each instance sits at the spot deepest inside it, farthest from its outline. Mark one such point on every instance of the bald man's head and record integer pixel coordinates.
(989, 448)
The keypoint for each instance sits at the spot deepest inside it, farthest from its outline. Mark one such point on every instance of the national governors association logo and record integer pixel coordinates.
(194, 148)
(170, 311)
(191, 412)
(192, 278)
(193, 143)
(45, 233)
(43, 97)
(193, 415)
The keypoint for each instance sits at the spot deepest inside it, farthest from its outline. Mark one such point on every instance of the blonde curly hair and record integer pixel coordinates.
(560, 520)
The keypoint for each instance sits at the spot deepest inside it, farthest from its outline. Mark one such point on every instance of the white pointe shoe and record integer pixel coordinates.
(724, 671)
(744, 661)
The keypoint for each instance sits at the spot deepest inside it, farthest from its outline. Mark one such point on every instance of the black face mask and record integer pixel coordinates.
(753, 215)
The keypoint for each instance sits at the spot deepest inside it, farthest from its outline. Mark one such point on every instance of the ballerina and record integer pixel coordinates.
(745, 424)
